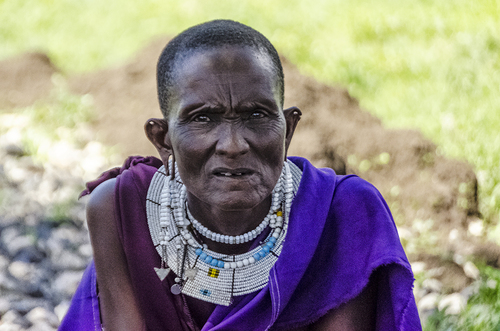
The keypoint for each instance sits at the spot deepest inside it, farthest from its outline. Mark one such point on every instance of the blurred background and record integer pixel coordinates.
(425, 72)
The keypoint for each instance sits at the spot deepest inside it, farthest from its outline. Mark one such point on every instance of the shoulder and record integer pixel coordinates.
(341, 188)
(101, 203)
(359, 211)
(135, 178)
(353, 187)
(356, 197)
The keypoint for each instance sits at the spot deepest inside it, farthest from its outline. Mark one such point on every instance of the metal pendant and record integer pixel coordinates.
(162, 272)
(191, 273)
(176, 289)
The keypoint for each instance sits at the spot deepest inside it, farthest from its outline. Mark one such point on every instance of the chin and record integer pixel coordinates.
(236, 201)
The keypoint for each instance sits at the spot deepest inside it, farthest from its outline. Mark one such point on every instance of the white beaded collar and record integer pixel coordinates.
(200, 272)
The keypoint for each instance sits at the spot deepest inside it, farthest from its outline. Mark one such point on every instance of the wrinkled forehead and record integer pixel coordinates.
(228, 62)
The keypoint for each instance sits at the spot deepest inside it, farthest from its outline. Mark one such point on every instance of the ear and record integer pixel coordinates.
(292, 118)
(157, 132)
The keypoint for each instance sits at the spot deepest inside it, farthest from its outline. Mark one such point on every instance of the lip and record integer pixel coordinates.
(232, 172)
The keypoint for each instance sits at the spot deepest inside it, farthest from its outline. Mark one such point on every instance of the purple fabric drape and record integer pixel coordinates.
(83, 313)
(340, 231)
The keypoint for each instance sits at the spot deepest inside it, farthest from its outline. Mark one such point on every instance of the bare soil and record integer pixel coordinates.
(417, 182)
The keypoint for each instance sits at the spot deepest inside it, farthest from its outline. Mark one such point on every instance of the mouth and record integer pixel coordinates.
(232, 173)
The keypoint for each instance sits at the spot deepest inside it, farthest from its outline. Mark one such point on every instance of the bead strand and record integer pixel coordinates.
(264, 250)
(206, 274)
(226, 239)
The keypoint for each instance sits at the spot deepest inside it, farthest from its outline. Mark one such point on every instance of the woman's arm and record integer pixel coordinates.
(119, 309)
(355, 315)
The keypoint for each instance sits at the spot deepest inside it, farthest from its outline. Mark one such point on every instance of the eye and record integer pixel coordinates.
(256, 115)
(201, 118)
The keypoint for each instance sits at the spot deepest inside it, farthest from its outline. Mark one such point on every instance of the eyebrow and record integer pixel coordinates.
(243, 106)
(265, 103)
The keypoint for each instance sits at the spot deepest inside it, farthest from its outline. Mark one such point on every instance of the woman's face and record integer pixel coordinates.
(226, 127)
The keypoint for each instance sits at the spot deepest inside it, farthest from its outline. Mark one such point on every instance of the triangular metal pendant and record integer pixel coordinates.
(162, 272)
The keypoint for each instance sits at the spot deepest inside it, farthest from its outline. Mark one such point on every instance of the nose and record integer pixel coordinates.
(231, 141)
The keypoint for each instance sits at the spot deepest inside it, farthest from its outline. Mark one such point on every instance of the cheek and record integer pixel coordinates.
(190, 156)
(187, 144)
(272, 144)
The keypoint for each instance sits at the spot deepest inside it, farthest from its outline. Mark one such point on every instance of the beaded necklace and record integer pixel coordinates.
(200, 272)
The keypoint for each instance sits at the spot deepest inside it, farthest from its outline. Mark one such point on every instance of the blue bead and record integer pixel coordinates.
(203, 256)
(208, 259)
(221, 264)
(262, 254)
(266, 249)
(198, 251)
(272, 239)
(256, 256)
(214, 262)
(270, 244)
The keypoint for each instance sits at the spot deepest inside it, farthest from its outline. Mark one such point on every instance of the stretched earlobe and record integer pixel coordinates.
(157, 132)
(172, 173)
(292, 118)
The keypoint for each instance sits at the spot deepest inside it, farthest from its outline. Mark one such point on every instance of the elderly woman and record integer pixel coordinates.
(226, 232)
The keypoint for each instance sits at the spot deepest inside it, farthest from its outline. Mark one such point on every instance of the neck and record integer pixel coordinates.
(231, 223)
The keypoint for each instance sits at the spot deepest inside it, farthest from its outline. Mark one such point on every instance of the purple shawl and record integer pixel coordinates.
(340, 231)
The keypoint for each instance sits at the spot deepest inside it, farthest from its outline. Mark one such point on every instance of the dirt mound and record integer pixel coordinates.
(25, 79)
(425, 191)
(125, 98)
(415, 180)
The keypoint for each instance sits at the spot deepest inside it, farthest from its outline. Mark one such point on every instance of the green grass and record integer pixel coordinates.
(432, 65)
(482, 311)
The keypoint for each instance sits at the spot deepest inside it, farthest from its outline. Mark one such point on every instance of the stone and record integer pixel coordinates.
(20, 270)
(86, 251)
(9, 233)
(4, 262)
(42, 326)
(10, 326)
(12, 320)
(471, 270)
(67, 260)
(30, 254)
(61, 309)
(16, 175)
(15, 244)
(491, 283)
(428, 302)
(470, 290)
(418, 267)
(4, 305)
(16, 150)
(476, 227)
(40, 314)
(25, 304)
(7, 283)
(432, 285)
(66, 283)
(452, 304)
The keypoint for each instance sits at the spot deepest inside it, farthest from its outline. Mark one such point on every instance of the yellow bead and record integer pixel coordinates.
(279, 213)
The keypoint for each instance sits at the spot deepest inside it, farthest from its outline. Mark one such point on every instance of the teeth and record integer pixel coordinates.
(228, 174)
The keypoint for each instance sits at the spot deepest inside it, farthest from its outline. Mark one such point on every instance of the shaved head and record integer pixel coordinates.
(206, 36)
